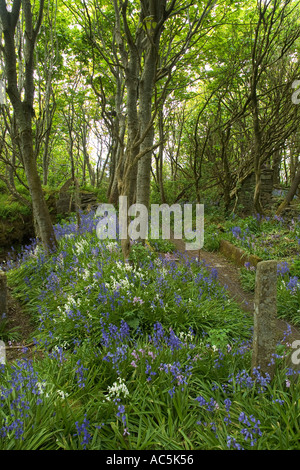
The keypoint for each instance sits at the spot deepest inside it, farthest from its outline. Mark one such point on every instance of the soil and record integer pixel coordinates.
(15, 232)
(19, 322)
(229, 277)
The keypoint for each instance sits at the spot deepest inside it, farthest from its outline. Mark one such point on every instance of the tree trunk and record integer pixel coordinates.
(257, 156)
(144, 172)
(256, 200)
(46, 158)
(127, 169)
(276, 167)
(117, 159)
(291, 193)
(160, 161)
(156, 10)
(39, 206)
(86, 157)
(23, 108)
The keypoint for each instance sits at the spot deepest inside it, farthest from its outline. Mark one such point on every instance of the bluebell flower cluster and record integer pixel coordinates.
(233, 444)
(117, 357)
(83, 432)
(244, 380)
(294, 284)
(22, 385)
(80, 374)
(236, 231)
(113, 334)
(115, 319)
(160, 338)
(178, 373)
(251, 429)
(121, 414)
(283, 268)
(57, 353)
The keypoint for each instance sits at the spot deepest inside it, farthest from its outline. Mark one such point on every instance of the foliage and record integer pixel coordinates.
(151, 353)
(106, 327)
(7, 333)
(288, 288)
(12, 209)
(266, 237)
(247, 278)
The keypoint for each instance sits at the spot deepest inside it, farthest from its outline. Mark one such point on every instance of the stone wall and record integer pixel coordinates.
(66, 199)
(237, 255)
(246, 192)
(266, 187)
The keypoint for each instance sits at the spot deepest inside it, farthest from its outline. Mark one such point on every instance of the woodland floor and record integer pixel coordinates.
(228, 276)
(20, 320)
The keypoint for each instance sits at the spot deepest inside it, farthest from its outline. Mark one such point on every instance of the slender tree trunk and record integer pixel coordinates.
(160, 163)
(293, 164)
(46, 158)
(156, 10)
(257, 155)
(117, 159)
(127, 170)
(145, 115)
(144, 172)
(291, 193)
(276, 167)
(40, 210)
(86, 157)
(23, 108)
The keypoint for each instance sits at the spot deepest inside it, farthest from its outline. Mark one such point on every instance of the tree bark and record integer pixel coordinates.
(160, 162)
(156, 10)
(276, 167)
(257, 148)
(40, 210)
(86, 157)
(127, 170)
(23, 108)
(291, 193)
(145, 115)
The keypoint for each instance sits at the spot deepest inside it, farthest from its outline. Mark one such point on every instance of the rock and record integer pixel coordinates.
(66, 200)
(265, 336)
(237, 255)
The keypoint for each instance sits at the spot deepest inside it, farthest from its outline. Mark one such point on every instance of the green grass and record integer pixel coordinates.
(179, 378)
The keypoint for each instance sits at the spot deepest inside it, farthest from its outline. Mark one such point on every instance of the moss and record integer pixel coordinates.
(237, 255)
(12, 209)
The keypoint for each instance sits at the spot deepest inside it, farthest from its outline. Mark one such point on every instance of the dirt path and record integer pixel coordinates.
(228, 276)
(20, 329)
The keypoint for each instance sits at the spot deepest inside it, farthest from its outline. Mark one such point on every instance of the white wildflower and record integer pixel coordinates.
(62, 394)
(118, 388)
(185, 337)
(79, 246)
(85, 274)
(41, 387)
(112, 246)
